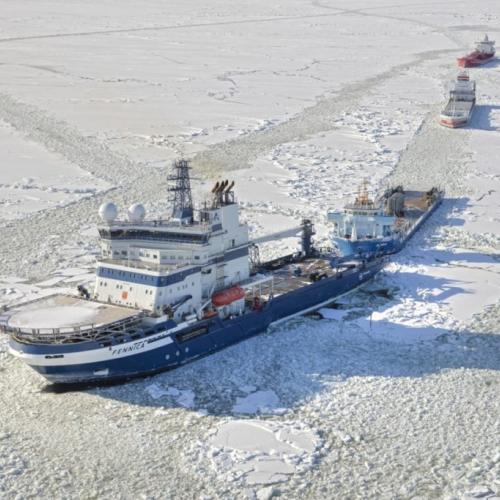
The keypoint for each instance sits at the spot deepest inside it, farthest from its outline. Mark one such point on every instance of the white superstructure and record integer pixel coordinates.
(363, 219)
(486, 46)
(173, 265)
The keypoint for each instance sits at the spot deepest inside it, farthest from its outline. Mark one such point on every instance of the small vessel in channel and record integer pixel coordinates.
(483, 53)
(461, 102)
(168, 292)
(384, 225)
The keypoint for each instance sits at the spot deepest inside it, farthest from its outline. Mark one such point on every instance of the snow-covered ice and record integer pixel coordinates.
(394, 393)
(261, 452)
(182, 398)
(35, 179)
(257, 402)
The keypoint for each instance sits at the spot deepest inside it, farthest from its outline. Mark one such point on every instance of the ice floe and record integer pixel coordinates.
(262, 452)
(185, 398)
(258, 402)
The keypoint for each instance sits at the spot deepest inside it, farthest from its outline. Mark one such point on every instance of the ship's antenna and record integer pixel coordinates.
(180, 191)
(363, 198)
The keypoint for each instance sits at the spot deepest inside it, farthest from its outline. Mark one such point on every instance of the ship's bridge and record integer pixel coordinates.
(159, 230)
(486, 46)
(363, 219)
(356, 209)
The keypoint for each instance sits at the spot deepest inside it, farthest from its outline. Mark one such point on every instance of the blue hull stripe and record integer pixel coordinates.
(145, 279)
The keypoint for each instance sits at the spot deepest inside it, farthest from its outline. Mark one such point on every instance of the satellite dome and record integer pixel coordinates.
(108, 211)
(136, 212)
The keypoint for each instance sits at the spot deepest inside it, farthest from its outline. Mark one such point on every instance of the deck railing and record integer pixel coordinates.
(74, 334)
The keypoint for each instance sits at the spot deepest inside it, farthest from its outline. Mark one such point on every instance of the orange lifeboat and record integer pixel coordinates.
(228, 296)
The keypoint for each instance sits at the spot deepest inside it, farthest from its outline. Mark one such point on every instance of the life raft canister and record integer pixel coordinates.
(228, 296)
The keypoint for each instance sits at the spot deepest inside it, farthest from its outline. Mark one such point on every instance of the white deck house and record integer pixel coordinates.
(177, 263)
(362, 219)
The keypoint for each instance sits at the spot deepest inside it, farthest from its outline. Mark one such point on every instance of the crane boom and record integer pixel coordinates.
(287, 233)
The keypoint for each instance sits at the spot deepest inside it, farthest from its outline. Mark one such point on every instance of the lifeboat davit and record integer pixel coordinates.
(228, 296)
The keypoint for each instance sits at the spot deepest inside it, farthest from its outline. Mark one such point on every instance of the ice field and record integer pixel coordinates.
(392, 394)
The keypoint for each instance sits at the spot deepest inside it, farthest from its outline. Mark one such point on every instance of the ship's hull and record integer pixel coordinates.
(347, 247)
(466, 110)
(473, 60)
(451, 123)
(168, 348)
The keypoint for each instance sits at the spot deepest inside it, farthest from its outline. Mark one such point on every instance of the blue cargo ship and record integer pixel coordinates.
(382, 226)
(169, 291)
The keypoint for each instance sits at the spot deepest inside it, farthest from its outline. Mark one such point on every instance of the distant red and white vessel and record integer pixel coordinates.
(460, 105)
(484, 52)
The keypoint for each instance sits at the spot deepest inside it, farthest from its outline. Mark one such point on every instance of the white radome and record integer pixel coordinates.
(136, 212)
(108, 211)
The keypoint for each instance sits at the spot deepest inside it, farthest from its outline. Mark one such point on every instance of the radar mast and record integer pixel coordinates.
(180, 192)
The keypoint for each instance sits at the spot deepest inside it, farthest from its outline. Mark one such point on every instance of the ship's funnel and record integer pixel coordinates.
(222, 187)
